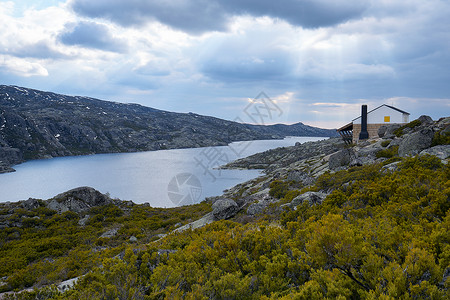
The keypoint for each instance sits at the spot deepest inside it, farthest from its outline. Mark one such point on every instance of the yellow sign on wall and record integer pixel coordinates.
(387, 119)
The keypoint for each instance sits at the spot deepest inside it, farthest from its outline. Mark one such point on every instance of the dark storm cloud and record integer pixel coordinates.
(305, 13)
(91, 35)
(197, 16)
(191, 16)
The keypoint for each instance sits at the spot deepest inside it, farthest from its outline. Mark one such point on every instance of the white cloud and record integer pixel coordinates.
(21, 67)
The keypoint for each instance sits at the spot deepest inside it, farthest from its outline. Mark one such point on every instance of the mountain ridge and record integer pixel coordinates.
(36, 124)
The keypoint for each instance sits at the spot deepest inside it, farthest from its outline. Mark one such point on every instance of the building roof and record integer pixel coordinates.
(391, 107)
(346, 127)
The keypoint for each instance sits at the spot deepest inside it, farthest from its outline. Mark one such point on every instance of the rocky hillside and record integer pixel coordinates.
(36, 124)
(326, 221)
(304, 163)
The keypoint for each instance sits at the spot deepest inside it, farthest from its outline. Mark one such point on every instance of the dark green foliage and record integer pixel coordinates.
(388, 153)
(385, 143)
(399, 132)
(441, 138)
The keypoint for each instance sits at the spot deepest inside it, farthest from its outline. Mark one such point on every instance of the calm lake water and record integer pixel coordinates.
(165, 178)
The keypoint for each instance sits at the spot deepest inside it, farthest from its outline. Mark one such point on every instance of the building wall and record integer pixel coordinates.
(384, 115)
(372, 129)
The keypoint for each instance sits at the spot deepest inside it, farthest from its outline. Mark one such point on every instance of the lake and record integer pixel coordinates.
(165, 178)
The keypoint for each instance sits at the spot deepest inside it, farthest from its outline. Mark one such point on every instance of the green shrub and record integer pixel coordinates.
(388, 153)
(385, 143)
(440, 138)
(399, 132)
(278, 188)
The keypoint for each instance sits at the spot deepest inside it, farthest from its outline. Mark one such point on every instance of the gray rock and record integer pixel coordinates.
(224, 209)
(441, 151)
(257, 208)
(340, 159)
(133, 239)
(382, 131)
(67, 284)
(300, 176)
(445, 277)
(426, 120)
(391, 167)
(389, 132)
(416, 142)
(83, 221)
(110, 233)
(205, 220)
(30, 204)
(313, 198)
(78, 200)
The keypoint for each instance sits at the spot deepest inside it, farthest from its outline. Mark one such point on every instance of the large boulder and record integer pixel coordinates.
(425, 120)
(387, 131)
(416, 142)
(224, 209)
(312, 198)
(78, 200)
(340, 159)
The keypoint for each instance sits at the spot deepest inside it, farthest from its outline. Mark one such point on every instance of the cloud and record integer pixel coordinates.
(91, 35)
(21, 67)
(191, 16)
(198, 16)
(40, 50)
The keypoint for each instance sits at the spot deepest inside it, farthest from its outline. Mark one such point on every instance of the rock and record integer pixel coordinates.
(6, 169)
(257, 208)
(416, 142)
(340, 159)
(67, 284)
(441, 151)
(205, 220)
(30, 204)
(133, 239)
(78, 200)
(389, 132)
(300, 176)
(445, 277)
(391, 167)
(382, 131)
(425, 120)
(312, 198)
(83, 221)
(224, 209)
(110, 233)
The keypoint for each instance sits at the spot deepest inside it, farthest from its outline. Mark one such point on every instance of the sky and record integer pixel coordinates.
(316, 60)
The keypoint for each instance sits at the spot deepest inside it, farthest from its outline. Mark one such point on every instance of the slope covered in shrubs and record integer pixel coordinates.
(379, 234)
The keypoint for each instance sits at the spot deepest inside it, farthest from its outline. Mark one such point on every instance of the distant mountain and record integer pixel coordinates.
(36, 124)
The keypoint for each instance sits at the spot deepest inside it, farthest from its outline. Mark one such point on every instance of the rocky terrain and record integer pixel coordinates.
(309, 178)
(36, 124)
(304, 163)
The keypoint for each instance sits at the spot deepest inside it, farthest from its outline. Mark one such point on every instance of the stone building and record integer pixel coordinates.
(367, 125)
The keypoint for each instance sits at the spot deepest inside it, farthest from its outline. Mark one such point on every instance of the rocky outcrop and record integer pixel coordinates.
(224, 209)
(416, 142)
(78, 200)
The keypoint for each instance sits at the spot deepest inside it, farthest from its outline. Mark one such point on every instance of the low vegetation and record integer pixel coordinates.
(379, 235)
